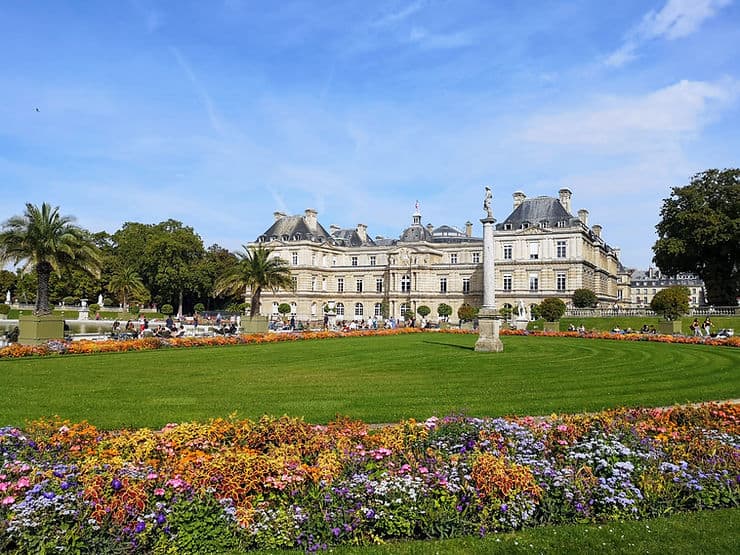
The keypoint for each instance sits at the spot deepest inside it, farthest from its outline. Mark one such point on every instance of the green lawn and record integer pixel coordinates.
(376, 379)
(709, 532)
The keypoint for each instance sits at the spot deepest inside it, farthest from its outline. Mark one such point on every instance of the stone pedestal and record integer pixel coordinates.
(521, 323)
(489, 325)
(258, 324)
(35, 330)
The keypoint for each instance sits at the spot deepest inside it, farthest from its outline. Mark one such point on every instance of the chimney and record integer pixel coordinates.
(468, 229)
(565, 195)
(583, 216)
(310, 218)
(362, 232)
(430, 227)
(278, 215)
(596, 229)
(518, 198)
(618, 252)
(333, 228)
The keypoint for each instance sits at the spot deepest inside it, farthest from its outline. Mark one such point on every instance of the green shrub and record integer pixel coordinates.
(552, 309)
(69, 301)
(107, 301)
(94, 307)
(423, 311)
(466, 312)
(284, 308)
(584, 298)
(444, 310)
(672, 302)
(134, 309)
(4, 308)
(166, 309)
(199, 307)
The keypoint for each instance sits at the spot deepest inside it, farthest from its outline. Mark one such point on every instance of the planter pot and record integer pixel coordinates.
(551, 326)
(258, 324)
(3, 316)
(35, 330)
(669, 328)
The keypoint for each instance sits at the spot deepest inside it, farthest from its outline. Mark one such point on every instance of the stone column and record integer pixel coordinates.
(488, 321)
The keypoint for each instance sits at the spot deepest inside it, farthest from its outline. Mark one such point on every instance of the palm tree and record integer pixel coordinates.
(256, 271)
(126, 283)
(44, 241)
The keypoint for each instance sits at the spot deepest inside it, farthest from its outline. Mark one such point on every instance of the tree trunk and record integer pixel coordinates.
(43, 273)
(255, 307)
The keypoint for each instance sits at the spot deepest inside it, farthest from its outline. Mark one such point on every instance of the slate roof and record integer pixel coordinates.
(296, 226)
(416, 232)
(536, 210)
(350, 238)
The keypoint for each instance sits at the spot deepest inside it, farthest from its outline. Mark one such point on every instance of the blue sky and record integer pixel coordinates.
(220, 113)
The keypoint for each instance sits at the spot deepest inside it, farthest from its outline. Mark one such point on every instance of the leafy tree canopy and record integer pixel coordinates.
(699, 232)
(672, 302)
(423, 311)
(584, 298)
(552, 309)
(444, 310)
(466, 312)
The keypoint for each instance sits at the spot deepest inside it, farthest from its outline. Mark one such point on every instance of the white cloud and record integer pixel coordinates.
(392, 18)
(440, 41)
(632, 124)
(677, 19)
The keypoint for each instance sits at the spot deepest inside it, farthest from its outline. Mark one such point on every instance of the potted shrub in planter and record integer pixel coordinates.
(671, 303)
(551, 310)
(4, 310)
(467, 314)
(443, 311)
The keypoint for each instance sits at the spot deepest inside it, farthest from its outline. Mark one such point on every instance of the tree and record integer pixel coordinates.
(671, 302)
(46, 242)
(584, 298)
(423, 311)
(284, 309)
(126, 284)
(255, 270)
(444, 310)
(466, 312)
(167, 309)
(552, 309)
(699, 232)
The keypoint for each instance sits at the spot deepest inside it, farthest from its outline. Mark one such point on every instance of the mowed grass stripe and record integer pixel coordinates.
(377, 379)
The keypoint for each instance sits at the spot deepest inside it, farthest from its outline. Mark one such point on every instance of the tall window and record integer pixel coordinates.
(372, 260)
(406, 283)
(340, 285)
(507, 282)
(354, 261)
(340, 309)
(534, 251)
(560, 281)
(443, 285)
(466, 285)
(378, 309)
(359, 286)
(323, 284)
(508, 249)
(561, 251)
(359, 309)
(476, 258)
(453, 258)
(405, 307)
(534, 282)
(313, 283)
(378, 285)
(294, 258)
(294, 279)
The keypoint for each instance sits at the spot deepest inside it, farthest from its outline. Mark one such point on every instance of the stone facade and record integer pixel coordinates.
(541, 250)
(644, 284)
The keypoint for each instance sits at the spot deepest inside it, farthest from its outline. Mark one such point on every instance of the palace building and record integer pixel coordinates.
(542, 250)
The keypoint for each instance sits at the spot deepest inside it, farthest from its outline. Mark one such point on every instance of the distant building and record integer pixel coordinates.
(644, 284)
(542, 250)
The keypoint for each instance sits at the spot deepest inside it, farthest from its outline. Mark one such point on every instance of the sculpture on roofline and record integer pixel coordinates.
(487, 202)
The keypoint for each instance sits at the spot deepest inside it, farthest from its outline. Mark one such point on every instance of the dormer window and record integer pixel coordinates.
(285, 237)
(525, 225)
(297, 237)
(507, 226)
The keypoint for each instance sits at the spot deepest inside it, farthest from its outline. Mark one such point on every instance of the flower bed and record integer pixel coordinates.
(81, 347)
(279, 483)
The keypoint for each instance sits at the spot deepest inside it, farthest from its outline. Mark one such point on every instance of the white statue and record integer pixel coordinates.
(100, 299)
(7, 297)
(487, 202)
(522, 310)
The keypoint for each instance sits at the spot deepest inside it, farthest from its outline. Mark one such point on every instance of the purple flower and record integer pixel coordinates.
(116, 484)
(140, 527)
(161, 519)
(49, 494)
(64, 486)
(504, 507)
(336, 531)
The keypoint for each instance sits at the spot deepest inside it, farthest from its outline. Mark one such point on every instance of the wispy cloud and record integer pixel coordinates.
(392, 18)
(677, 19)
(213, 116)
(439, 41)
(670, 113)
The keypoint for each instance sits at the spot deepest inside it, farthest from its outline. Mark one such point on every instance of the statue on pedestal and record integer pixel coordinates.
(487, 202)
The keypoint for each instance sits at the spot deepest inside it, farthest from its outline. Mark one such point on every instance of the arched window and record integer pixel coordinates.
(359, 309)
(340, 309)
(378, 310)
(293, 309)
(275, 305)
(405, 308)
(313, 309)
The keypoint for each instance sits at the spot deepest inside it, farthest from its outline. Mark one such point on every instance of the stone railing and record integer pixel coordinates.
(611, 312)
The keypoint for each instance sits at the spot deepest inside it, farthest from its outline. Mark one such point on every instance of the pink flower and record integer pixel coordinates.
(23, 483)
(4, 486)
(7, 500)
(562, 428)
(423, 470)
(159, 491)
(152, 476)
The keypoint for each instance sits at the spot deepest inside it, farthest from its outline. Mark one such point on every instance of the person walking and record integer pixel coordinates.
(695, 328)
(707, 325)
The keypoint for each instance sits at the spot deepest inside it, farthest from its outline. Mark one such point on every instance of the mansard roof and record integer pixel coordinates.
(416, 232)
(533, 211)
(350, 238)
(296, 228)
